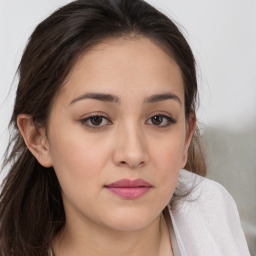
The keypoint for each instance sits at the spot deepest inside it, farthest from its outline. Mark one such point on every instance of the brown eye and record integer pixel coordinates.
(161, 121)
(96, 120)
(156, 120)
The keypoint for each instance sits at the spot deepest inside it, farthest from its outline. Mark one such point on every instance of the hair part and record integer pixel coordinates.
(31, 207)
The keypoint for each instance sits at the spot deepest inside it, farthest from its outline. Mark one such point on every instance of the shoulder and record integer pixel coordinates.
(208, 214)
(210, 200)
(204, 192)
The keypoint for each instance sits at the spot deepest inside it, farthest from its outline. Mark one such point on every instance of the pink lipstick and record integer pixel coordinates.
(129, 189)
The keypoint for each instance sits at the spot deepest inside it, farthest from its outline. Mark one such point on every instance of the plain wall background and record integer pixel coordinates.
(222, 35)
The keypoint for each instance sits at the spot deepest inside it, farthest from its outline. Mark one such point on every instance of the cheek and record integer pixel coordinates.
(167, 158)
(77, 159)
(168, 154)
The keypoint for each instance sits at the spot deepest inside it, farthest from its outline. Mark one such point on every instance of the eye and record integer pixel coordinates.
(95, 121)
(161, 120)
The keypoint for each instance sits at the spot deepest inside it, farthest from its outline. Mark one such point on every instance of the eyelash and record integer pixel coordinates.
(170, 121)
(89, 119)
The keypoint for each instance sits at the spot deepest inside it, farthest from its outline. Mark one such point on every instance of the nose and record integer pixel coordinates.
(130, 148)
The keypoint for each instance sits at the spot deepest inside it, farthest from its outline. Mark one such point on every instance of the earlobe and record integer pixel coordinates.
(191, 126)
(35, 139)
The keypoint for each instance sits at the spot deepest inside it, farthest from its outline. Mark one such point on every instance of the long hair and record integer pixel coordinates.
(31, 207)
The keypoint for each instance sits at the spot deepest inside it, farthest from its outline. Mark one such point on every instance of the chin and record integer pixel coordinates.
(130, 220)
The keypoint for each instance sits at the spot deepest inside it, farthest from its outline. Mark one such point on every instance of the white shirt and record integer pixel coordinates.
(206, 221)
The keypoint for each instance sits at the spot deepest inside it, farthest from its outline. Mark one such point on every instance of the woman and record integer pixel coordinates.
(105, 122)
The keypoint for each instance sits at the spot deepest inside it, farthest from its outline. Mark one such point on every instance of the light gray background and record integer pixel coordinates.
(222, 35)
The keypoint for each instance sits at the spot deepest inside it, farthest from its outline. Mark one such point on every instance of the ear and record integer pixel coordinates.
(35, 139)
(190, 127)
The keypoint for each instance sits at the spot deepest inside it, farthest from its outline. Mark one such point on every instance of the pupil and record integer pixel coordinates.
(96, 120)
(157, 120)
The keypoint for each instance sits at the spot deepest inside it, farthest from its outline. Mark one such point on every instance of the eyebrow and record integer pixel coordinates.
(115, 99)
(97, 96)
(161, 97)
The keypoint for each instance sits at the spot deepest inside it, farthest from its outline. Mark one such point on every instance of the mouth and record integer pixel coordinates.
(129, 189)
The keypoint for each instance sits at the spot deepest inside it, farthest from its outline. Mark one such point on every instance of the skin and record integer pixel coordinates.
(126, 144)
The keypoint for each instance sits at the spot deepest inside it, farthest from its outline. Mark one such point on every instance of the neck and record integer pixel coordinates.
(94, 240)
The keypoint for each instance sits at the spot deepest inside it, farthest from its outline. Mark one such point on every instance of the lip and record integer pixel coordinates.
(129, 189)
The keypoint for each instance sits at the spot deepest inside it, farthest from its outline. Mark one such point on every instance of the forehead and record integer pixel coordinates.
(129, 67)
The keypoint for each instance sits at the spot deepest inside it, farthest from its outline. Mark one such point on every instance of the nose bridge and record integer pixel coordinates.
(134, 136)
(131, 147)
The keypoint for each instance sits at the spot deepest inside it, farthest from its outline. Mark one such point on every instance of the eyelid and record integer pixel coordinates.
(160, 113)
(89, 116)
(171, 120)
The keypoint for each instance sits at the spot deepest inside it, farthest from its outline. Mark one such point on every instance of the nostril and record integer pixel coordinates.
(132, 164)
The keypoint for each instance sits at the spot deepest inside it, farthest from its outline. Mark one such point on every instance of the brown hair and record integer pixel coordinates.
(31, 208)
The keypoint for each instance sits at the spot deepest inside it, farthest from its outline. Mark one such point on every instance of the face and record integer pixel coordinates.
(117, 134)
